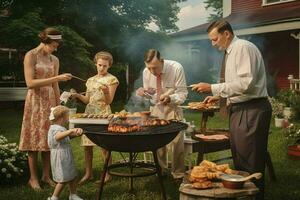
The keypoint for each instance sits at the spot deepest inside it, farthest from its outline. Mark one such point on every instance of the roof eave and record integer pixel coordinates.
(256, 28)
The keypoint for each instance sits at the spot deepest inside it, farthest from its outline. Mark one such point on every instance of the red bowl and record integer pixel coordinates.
(233, 184)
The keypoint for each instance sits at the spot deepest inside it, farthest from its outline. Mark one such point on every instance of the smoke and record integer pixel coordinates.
(134, 47)
(137, 103)
(200, 61)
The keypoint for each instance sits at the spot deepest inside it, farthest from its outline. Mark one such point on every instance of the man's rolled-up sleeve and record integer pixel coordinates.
(180, 94)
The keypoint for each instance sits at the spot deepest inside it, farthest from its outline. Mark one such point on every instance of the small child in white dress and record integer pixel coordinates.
(61, 156)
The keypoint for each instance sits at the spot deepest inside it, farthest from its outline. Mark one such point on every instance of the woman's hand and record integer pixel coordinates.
(64, 77)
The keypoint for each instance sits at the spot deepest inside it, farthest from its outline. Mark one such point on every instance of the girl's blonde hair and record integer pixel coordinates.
(59, 112)
(105, 56)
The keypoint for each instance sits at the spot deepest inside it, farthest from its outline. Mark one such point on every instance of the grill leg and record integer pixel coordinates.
(105, 168)
(160, 179)
(131, 172)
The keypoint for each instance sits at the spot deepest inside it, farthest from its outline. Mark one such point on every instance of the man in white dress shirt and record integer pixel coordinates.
(245, 89)
(164, 83)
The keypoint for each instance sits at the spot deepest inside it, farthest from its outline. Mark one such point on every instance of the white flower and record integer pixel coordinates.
(13, 159)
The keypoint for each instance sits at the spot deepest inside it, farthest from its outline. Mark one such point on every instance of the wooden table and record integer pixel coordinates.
(187, 192)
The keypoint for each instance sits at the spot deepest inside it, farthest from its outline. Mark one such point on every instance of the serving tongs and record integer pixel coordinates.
(184, 107)
(78, 78)
(188, 86)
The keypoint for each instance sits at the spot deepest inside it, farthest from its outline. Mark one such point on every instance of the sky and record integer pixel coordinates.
(192, 13)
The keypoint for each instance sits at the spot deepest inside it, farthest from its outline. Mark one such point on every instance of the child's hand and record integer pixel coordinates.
(76, 132)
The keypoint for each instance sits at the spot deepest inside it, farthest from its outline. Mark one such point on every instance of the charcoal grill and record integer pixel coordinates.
(150, 139)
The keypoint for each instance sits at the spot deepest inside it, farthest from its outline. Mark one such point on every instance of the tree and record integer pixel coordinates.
(217, 6)
(118, 26)
(21, 33)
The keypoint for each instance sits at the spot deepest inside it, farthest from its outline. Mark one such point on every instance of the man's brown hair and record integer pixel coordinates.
(221, 24)
(151, 54)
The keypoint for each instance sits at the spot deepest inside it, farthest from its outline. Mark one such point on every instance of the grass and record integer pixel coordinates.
(286, 169)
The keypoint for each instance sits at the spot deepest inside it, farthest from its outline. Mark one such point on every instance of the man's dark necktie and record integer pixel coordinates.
(223, 106)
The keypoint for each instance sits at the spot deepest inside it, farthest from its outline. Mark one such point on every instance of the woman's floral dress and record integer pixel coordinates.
(38, 102)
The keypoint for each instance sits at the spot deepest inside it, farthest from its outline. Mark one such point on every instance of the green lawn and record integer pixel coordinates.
(287, 170)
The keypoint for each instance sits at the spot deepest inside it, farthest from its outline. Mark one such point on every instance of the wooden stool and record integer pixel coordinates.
(187, 192)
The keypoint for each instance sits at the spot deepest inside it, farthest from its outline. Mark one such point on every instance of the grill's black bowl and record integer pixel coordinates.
(148, 140)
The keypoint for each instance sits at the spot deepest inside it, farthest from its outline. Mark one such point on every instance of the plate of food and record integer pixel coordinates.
(201, 106)
(91, 116)
(214, 137)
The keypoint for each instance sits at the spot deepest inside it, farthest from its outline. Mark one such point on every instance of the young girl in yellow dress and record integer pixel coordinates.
(99, 95)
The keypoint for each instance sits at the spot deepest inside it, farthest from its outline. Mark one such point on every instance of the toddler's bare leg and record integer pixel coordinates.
(58, 188)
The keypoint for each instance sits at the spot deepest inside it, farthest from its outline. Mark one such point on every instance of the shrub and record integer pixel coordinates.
(290, 98)
(292, 133)
(277, 107)
(12, 162)
(286, 97)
